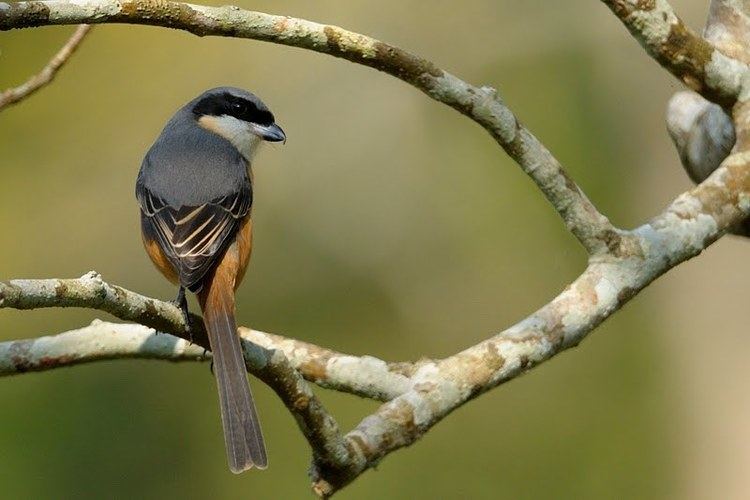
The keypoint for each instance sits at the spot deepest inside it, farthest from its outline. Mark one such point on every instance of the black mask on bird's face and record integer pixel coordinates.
(238, 116)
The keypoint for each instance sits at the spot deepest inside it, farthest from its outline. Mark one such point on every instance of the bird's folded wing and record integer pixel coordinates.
(193, 237)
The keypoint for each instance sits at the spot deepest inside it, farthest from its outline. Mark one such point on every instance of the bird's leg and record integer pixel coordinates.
(181, 302)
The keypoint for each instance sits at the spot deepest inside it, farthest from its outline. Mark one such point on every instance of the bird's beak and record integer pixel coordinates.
(271, 133)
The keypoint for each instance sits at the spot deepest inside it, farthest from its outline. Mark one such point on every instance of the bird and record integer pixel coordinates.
(195, 192)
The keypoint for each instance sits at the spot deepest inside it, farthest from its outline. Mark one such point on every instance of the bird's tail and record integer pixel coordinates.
(242, 435)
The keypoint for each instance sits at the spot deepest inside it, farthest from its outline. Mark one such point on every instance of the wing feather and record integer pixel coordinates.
(194, 237)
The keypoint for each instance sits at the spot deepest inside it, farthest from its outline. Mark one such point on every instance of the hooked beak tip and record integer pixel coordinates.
(274, 133)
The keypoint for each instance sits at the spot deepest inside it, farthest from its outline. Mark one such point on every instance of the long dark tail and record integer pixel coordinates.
(242, 435)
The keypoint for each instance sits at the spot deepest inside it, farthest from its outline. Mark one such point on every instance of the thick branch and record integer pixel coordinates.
(482, 105)
(91, 291)
(98, 342)
(728, 27)
(622, 263)
(364, 376)
(689, 225)
(693, 60)
(367, 376)
(48, 73)
(430, 390)
(702, 131)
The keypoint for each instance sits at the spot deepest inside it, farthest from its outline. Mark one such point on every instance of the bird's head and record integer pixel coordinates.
(238, 116)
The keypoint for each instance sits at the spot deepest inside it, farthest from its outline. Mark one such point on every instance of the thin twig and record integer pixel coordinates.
(48, 73)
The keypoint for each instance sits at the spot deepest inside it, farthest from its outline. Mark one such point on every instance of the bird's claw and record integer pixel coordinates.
(181, 302)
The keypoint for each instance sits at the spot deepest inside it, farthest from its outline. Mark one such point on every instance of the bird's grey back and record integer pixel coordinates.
(189, 165)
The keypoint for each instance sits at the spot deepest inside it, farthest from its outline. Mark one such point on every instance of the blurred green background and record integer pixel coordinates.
(387, 225)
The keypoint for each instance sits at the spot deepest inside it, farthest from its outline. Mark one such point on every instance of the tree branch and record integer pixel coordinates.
(436, 388)
(728, 27)
(99, 341)
(702, 131)
(693, 60)
(367, 377)
(482, 105)
(691, 223)
(364, 376)
(48, 73)
(420, 394)
(271, 366)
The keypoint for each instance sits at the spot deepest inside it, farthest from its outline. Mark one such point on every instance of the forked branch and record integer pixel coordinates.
(416, 395)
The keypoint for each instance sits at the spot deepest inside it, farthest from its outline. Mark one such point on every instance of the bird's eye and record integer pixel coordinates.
(239, 109)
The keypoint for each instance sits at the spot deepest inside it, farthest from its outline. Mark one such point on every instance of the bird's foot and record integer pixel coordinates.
(181, 302)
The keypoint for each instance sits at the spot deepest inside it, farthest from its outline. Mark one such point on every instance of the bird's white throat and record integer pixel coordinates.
(238, 132)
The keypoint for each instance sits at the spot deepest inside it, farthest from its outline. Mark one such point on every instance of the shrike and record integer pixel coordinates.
(195, 192)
